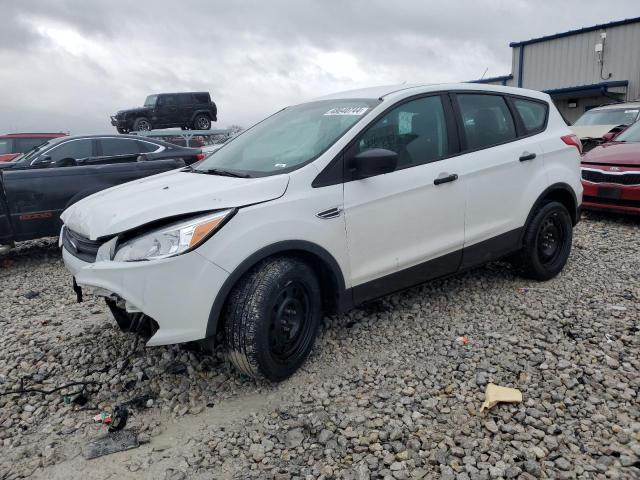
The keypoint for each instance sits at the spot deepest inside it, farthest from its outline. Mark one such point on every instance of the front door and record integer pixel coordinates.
(406, 226)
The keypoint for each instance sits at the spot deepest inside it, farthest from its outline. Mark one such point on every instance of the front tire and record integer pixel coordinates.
(122, 130)
(547, 243)
(272, 317)
(142, 125)
(201, 122)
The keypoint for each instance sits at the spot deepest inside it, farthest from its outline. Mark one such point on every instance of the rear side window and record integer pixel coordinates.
(146, 147)
(117, 146)
(185, 99)
(415, 130)
(533, 114)
(486, 119)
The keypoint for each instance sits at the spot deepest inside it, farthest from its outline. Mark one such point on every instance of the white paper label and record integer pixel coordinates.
(631, 111)
(347, 111)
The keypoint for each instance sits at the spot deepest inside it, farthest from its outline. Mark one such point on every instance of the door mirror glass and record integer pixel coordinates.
(375, 161)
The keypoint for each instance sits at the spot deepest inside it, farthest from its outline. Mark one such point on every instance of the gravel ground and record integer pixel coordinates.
(387, 393)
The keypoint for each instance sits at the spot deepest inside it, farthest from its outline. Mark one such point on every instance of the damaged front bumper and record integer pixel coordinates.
(176, 292)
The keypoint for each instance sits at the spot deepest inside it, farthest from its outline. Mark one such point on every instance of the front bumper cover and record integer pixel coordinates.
(177, 292)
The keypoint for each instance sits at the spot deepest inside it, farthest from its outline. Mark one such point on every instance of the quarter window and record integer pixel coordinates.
(533, 114)
(415, 130)
(146, 147)
(486, 119)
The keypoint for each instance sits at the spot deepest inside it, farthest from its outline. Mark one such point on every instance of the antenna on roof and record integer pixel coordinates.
(485, 72)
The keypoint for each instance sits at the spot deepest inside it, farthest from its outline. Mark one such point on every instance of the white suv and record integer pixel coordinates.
(325, 205)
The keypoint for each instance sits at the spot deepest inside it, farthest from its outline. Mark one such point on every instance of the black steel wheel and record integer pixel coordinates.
(201, 122)
(142, 125)
(547, 242)
(272, 317)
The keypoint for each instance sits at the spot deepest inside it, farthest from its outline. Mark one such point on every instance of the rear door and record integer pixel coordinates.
(185, 108)
(167, 110)
(406, 226)
(503, 171)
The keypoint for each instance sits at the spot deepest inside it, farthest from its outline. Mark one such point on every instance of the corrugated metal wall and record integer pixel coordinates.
(572, 61)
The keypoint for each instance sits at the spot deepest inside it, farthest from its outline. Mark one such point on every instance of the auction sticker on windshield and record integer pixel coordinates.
(347, 111)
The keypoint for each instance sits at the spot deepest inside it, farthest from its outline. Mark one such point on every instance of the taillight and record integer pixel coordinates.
(572, 140)
(200, 156)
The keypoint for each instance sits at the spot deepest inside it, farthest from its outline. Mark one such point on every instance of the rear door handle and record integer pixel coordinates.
(527, 156)
(450, 178)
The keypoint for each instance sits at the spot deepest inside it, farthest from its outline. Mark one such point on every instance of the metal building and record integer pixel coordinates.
(580, 69)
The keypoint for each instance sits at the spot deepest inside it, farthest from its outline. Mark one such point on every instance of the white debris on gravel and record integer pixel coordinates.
(387, 393)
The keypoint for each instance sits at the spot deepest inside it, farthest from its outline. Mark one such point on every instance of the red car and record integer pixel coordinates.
(611, 173)
(13, 144)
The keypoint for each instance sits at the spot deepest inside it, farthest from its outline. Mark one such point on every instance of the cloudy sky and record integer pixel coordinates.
(66, 65)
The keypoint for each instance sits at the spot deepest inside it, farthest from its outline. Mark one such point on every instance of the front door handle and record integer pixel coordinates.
(450, 178)
(527, 156)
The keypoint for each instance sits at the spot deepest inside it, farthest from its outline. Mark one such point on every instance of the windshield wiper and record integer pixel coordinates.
(221, 172)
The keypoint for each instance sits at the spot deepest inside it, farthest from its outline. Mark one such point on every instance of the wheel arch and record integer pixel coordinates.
(199, 112)
(85, 193)
(560, 192)
(335, 296)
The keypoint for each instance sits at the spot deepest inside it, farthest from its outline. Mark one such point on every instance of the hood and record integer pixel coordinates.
(614, 153)
(137, 203)
(133, 110)
(591, 131)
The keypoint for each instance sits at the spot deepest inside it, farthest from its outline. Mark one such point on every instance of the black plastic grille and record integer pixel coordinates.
(603, 177)
(612, 201)
(79, 246)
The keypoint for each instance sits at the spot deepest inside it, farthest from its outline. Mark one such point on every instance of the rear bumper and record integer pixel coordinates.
(176, 292)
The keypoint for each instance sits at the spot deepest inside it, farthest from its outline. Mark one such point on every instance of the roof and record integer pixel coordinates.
(34, 135)
(618, 106)
(405, 90)
(601, 26)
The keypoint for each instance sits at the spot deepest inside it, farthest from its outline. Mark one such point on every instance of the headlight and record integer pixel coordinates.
(172, 240)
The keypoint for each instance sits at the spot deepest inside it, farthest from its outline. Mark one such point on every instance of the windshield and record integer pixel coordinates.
(31, 154)
(631, 134)
(150, 101)
(288, 139)
(623, 116)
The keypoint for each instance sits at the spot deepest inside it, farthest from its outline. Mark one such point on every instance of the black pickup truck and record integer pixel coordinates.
(39, 185)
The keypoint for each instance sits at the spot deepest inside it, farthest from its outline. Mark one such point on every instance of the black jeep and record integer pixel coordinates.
(193, 110)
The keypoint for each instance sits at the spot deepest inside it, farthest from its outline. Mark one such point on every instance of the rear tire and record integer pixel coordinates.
(201, 122)
(547, 243)
(272, 317)
(142, 125)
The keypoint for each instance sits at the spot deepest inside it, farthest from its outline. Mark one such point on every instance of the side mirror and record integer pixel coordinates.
(43, 161)
(607, 137)
(370, 163)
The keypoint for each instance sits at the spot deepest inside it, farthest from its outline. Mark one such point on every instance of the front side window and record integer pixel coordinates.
(151, 101)
(290, 138)
(533, 114)
(167, 100)
(622, 116)
(118, 146)
(486, 119)
(415, 130)
(74, 149)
